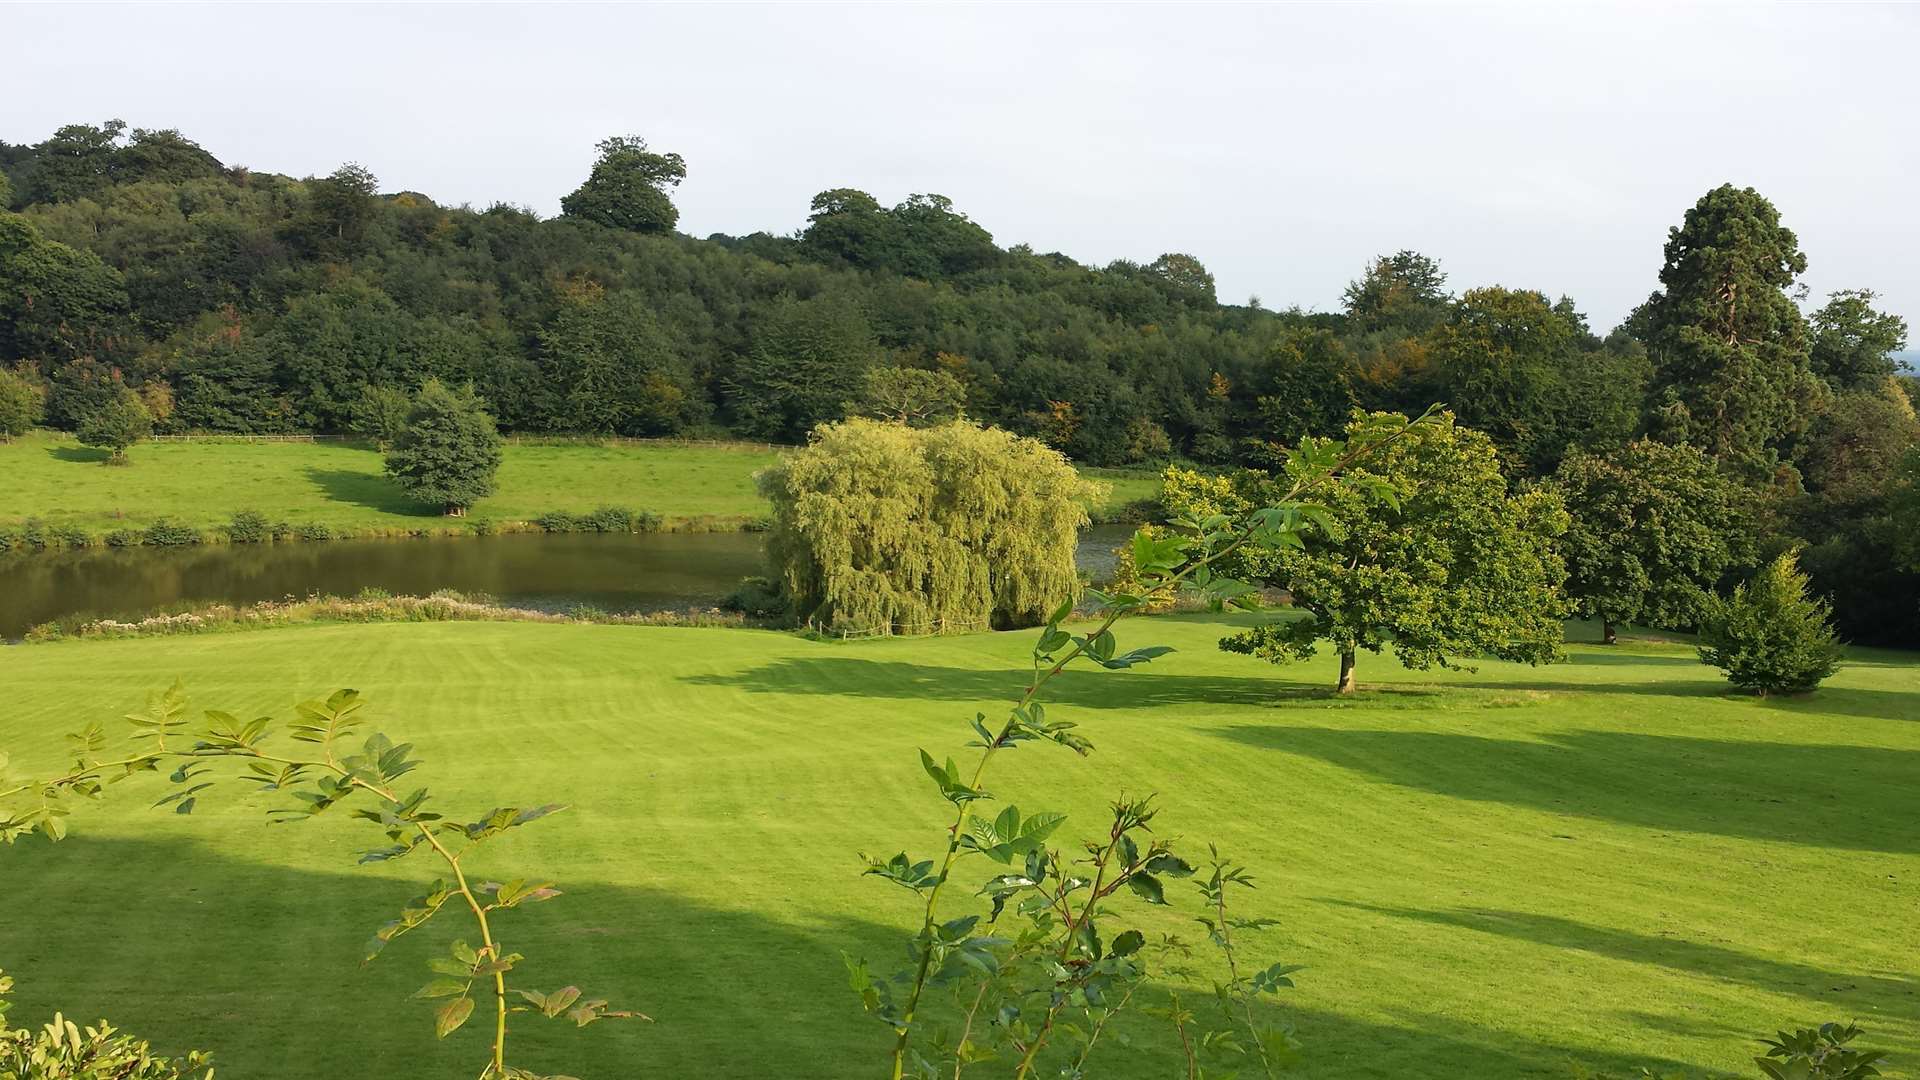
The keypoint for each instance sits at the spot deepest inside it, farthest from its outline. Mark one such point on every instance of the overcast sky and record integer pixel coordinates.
(1542, 146)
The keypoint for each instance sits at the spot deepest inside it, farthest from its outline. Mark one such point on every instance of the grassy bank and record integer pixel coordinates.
(1488, 874)
(341, 486)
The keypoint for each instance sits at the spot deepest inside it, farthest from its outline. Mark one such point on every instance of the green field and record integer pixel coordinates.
(1488, 874)
(340, 485)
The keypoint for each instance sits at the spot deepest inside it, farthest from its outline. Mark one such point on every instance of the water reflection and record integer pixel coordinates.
(622, 573)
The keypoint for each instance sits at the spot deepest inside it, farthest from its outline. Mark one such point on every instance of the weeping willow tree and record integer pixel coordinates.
(882, 528)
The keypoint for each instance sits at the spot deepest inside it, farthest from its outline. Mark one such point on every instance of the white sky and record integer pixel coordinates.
(1543, 146)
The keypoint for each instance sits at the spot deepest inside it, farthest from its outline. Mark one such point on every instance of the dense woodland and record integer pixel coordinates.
(232, 300)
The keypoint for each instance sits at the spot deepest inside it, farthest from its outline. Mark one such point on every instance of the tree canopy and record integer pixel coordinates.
(628, 187)
(1652, 531)
(1729, 346)
(881, 528)
(448, 453)
(1424, 550)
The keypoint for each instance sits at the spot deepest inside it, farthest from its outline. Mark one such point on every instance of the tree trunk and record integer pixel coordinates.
(456, 511)
(1347, 683)
(1607, 635)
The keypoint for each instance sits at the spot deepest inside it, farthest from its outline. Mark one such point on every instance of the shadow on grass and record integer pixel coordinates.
(371, 490)
(861, 677)
(1820, 795)
(81, 454)
(186, 946)
(1849, 993)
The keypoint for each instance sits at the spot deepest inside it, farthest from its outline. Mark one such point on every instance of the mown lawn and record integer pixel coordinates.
(1488, 874)
(202, 484)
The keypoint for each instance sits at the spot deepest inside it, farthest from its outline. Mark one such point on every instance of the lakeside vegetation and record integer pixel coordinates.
(1474, 866)
(201, 485)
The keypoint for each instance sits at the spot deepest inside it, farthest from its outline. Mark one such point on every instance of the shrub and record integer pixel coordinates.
(165, 532)
(883, 528)
(1770, 637)
(70, 536)
(606, 519)
(759, 598)
(315, 531)
(33, 535)
(9, 541)
(63, 1050)
(120, 538)
(249, 527)
(483, 527)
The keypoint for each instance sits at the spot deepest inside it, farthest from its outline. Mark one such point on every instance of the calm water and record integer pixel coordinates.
(621, 573)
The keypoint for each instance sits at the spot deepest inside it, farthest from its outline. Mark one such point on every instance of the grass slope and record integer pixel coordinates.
(202, 483)
(1488, 874)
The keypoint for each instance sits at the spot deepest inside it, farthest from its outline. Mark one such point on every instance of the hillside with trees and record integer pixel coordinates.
(136, 265)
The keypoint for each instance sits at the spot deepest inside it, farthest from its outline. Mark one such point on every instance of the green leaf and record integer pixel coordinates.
(440, 988)
(1148, 888)
(448, 1018)
(1129, 943)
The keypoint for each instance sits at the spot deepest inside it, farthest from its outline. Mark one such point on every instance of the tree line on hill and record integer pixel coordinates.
(138, 266)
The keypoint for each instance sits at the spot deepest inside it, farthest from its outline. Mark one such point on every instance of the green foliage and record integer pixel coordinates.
(1728, 344)
(117, 423)
(628, 187)
(1517, 368)
(808, 359)
(1405, 291)
(881, 528)
(1049, 986)
(449, 451)
(914, 396)
(615, 370)
(1818, 1054)
(606, 519)
(349, 765)
(23, 402)
(165, 532)
(380, 415)
(1422, 548)
(1850, 518)
(1852, 342)
(1770, 637)
(63, 1050)
(314, 531)
(57, 303)
(1653, 529)
(249, 527)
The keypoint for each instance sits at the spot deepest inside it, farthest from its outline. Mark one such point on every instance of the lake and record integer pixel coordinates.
(614, 572)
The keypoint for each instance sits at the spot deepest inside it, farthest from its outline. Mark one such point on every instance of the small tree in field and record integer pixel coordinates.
(381, 414)
(115, 424)
(23, 403)
(1424, 550)
(449, 451)
(878, 527)
(1771, 637)
(1653, 527)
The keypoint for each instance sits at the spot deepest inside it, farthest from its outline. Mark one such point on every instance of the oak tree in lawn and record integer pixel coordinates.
(1425, 551)
(1653, 529)
(116, 423)
(448, 453)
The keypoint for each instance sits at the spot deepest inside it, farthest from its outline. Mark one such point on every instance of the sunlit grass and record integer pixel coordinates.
(1488, 874)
